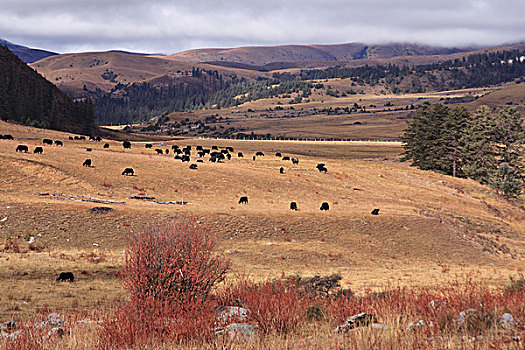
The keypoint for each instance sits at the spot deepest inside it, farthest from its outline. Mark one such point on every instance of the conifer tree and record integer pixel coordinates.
(452, 133)
(510, 136)
(479, 149)
(423, 139)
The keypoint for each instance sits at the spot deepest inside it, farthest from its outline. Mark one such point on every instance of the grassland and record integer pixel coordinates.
(431, 228)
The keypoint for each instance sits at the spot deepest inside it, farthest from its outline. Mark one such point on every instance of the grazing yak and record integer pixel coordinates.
(243, 200)
(128, 172)
(293, 206)
(185, 158)
(198, 148)
(214, 147)
(167, 151)
(38, 149)
(59, 143)
(278, 154)
(71, 138)
(254, 158)
(148, 145)
(295, 160)
(281, 170)
(22, 148)
(159, 151)
(126, 144)
(66, 276)
(6, 137)
(321, 168)
(193, 166)
(89, 149)
(47, 142)
(200, 161)
(240, 155)
(229, 156)
(87, 163)
(325, 206)
(230, 149)
(259, 154)
(286, 158)
(106, 145)
(375, 212)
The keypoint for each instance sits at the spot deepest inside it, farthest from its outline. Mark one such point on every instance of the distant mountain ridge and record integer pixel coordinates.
(27, 54)
(262, 55)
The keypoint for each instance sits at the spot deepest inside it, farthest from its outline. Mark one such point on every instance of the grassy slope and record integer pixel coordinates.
(430, 226)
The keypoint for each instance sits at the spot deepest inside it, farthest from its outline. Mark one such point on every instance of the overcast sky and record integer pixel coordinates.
(169, 26)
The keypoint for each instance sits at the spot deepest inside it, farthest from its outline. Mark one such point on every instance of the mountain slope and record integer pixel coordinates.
(261, 55)
(76, 73)
(26, 54)
(27, 98)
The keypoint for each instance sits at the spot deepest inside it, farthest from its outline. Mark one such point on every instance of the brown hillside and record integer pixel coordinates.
(261, 55)
(71, 72)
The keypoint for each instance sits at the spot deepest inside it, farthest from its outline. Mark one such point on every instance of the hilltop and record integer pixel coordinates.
(26, 54)
(262, 55)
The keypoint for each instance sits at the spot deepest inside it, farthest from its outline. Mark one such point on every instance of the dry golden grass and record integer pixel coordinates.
(430, 228)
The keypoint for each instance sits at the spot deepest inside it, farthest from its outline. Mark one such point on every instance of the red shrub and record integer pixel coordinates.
(275, 306)
(169, 273)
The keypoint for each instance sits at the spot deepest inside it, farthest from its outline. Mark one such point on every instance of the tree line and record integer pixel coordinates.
(477, 70)
(485, 146)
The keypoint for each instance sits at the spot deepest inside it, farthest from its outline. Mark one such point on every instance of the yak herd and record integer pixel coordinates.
(184, 154)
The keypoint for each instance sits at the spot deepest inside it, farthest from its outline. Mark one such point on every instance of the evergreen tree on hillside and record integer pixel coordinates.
(483, 146)
(423, 139)
(510, 135)
(452, 141)
(479, 150)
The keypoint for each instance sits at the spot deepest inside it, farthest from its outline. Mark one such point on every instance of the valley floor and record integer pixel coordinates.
(431, 228)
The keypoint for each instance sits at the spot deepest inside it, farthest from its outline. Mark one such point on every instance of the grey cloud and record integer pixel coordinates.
(171, 26)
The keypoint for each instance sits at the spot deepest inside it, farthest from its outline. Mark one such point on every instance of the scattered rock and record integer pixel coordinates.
(421, 323)
(507, 321)
(54, 319)
(435, 305)
(360, 320)
(86, 320)
(463, 315)
(3, 220)
(12, 336)
(100, 210)
(31, 240)
(243, 331)
(379, 326)
(232, 251)
(8, 325)
(56, 331)
(236, 313)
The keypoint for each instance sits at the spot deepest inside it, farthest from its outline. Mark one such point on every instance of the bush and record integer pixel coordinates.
(276, 306)
(169, 273)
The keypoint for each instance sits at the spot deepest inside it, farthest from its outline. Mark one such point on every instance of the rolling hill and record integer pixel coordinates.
(27, 54)
(261, 55)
